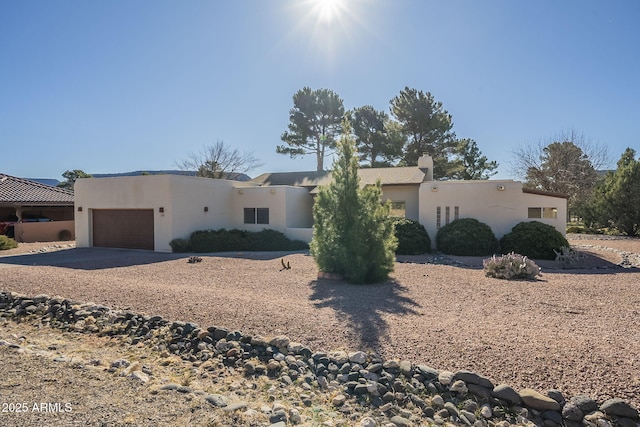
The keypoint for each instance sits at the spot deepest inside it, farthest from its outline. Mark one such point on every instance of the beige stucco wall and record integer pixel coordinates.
(289, 207)
(43, 231)
(500, 204)
(182, 198)
(404, 193)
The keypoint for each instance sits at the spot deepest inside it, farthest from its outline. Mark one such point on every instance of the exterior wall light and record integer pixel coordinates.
(79, 208)
(206, 208)
(241, 191)
(500, 187)
(434, 188)
(161, 210)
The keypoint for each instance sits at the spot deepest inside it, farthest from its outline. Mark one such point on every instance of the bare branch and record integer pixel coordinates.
(219, 161)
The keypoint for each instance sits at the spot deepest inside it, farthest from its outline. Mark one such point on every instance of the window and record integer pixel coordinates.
(262, 216)
(456, 213)
(256, 215)
(249, 215)
(438, 217)
(398, 209)
(534, 213)
(447, 214)
(549, 213)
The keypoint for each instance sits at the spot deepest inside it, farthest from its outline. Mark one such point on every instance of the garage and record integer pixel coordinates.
(123, 228)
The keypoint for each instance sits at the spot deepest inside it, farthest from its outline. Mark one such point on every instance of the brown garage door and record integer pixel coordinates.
(123, 228)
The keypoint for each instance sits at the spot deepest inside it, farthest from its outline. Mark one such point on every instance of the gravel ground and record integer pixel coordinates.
(573, 330)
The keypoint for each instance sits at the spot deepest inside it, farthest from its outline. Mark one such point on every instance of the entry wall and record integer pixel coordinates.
(49, 231)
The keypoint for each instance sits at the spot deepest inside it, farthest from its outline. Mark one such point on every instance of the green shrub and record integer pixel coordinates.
(223, 240)
(574, 229)
(180, 245)
(413, 238)
(466, 236)
(7, 243)
(533, 239)
(510, 267)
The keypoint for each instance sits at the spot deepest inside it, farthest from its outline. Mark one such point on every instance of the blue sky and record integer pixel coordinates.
(116, 86)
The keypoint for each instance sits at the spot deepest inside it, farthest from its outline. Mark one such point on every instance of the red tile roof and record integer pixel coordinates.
(20, 191)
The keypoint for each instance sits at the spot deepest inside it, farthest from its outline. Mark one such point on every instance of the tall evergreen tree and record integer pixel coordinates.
(616, 202)
(428, 126)
(314, 124)
(469, 162)
(352, 232)
(378, 144)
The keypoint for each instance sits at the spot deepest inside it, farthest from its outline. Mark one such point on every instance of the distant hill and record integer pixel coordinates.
(45, 181)
(233, 177)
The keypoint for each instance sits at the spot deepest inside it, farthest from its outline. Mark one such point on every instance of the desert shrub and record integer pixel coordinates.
(575, 229)
(533, 239)
(223, 240)
(7, 243)
(413, 238)
(466, 236)
(64, 235)
(511, 266)
(180, 245)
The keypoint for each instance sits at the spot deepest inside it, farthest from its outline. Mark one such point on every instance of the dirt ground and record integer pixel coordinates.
(574, 330)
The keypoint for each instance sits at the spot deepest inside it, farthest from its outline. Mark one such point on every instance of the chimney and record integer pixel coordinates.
(425, 164)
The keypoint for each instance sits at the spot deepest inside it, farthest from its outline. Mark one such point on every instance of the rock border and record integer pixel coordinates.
(402, 392)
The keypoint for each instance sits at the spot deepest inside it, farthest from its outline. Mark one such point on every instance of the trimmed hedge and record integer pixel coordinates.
(223, 240)
(466, 237)
(413, 238)
(533, 239)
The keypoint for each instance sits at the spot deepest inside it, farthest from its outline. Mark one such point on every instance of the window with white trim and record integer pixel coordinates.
(256, 215)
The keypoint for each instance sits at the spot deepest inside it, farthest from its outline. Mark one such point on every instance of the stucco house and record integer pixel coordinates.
(147, 212)
(34, 212)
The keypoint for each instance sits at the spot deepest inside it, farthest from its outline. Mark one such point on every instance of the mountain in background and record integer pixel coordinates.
(46, 181)
(233, 177)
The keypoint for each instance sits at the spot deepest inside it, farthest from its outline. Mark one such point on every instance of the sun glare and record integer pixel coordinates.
(328, 10)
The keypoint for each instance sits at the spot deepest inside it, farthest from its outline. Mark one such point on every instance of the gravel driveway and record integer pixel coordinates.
(573, 330)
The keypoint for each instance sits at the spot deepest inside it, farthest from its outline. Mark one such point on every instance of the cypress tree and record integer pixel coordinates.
(352, 233)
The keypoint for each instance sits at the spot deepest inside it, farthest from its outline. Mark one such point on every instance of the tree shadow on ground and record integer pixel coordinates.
(362, 308)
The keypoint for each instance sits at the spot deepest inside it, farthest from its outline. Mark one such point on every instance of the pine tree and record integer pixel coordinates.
(352, 233)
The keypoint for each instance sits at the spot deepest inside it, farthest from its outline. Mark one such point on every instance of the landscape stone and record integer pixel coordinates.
(619, 408)
(359, 357)
(571, 411)
(216, 400)
(485, 411)
(339, 400)
(536, 400)
(480, 391)
(368, 422)
(427, 372)
(400, 421)
(585, 403)
(626, 422)
(506, 393)
(459, 386)
(237, 406)
(473, 378)
(445, 377)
